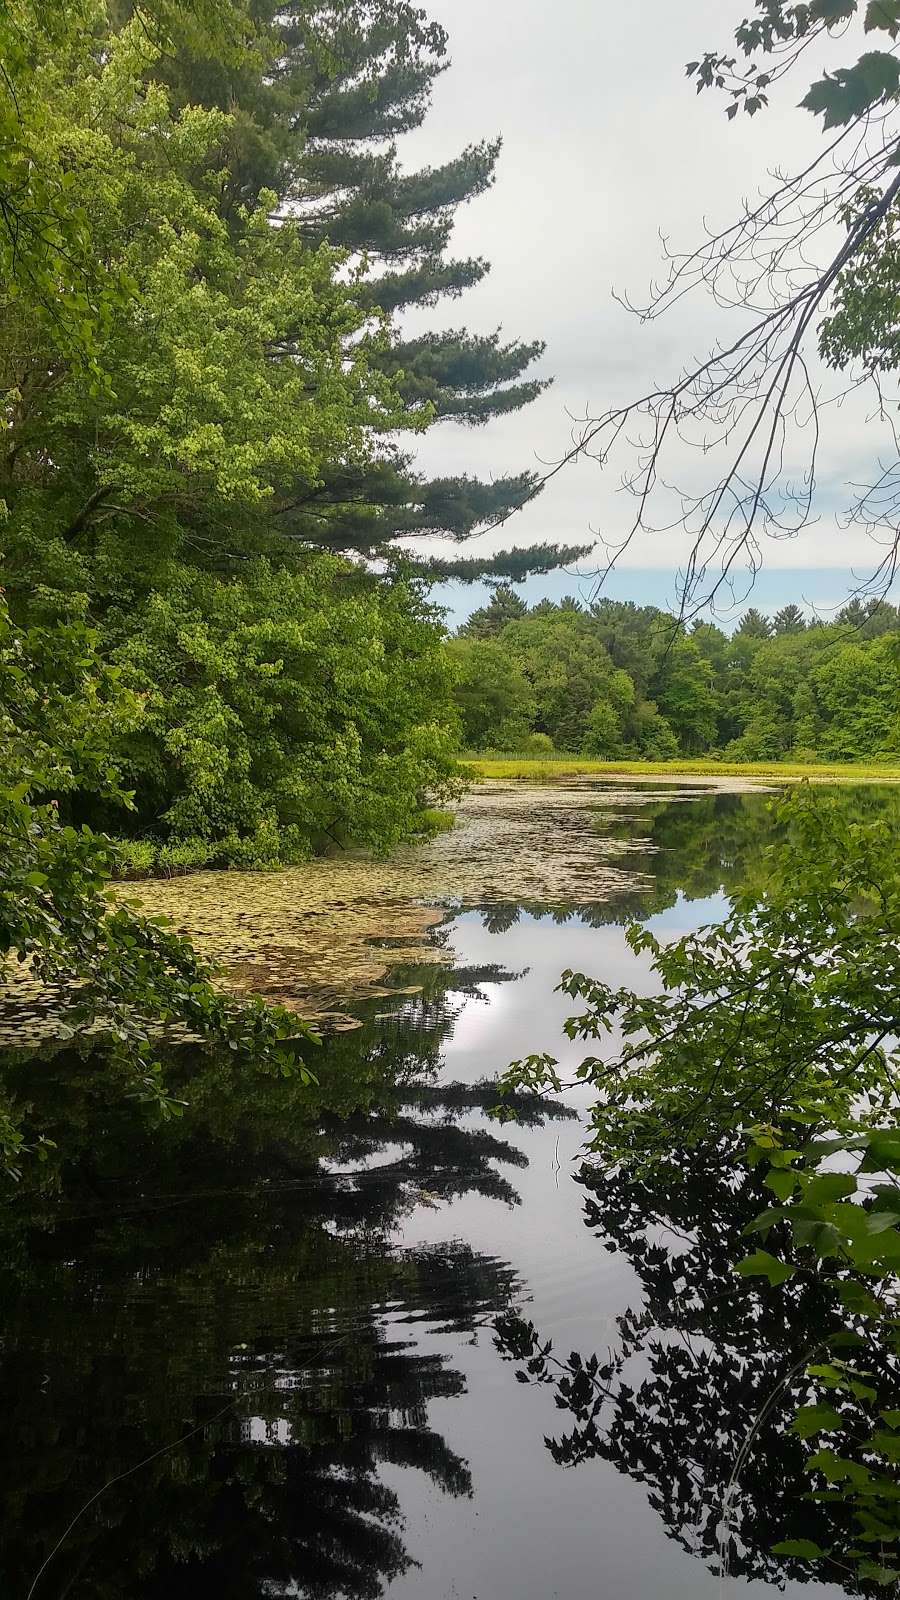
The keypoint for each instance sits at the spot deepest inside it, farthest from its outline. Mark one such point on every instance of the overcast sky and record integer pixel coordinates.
(605, 146)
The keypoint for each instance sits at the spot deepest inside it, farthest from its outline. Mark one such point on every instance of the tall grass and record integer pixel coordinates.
(499, 765)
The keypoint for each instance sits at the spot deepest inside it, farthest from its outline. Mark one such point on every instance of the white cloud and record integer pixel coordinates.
(605, 146)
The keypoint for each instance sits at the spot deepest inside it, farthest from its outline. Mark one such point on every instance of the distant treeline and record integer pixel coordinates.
(615, 679)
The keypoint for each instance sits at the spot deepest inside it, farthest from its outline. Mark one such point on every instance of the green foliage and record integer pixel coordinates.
(493, 696)
(789, 1005)
(862, 323)
(48, 252)
(775, 39)
(287, 699)
(618, 682)
(489, 621)
(217, 400)
(845, 1227)
(320, 134)
(283, 711)
(431, 820)
(111, 971)
(183, 366)
(538, 744)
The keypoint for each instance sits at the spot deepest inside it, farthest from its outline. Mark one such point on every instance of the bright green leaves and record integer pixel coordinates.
(277, 706)
(782, 1182)
(829, 1186)
(286, 710)
(849, 92)
(232, 366)
(761, 1264)
(838, 1375)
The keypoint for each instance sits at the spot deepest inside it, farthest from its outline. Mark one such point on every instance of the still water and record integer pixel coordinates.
(301, 1288)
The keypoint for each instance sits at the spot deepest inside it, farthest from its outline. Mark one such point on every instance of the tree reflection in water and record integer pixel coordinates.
(242, 1256)
(689, 843)
(706, 1360)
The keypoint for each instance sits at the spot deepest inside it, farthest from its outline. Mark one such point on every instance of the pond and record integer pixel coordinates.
(253, 1353)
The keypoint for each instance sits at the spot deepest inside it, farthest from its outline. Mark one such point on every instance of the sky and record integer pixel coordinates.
(606, 147)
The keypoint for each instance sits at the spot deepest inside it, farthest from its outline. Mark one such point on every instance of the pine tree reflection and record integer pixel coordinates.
(243, 1260)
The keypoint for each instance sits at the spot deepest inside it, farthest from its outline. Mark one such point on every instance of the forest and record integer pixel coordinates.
(616, 680)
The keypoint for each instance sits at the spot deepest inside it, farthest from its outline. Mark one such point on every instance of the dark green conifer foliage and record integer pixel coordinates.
(320, 130)
(869, 618)
(789, 619)
(754, 625)
(488, 621)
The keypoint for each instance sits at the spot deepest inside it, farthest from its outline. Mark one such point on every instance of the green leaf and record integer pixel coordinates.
(887, 1445)
(845, 1340)
(831, 1375)
(883, 14)
(837, 1469)
(762, 1265)
(846, 94)
(882, 1152)
(782, 1183)
(815, 1419)
(881, 1221)
(764, 1222)
(804, 1548)
(822, 1237)
(876, 1573)
(830, 1186)
(831, 11)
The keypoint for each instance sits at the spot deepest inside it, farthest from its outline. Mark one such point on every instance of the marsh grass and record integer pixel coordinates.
(540, 770)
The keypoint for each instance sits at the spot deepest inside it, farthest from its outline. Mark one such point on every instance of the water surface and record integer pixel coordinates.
(301, 1286)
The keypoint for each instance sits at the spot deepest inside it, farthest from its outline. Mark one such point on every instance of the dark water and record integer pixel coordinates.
(307, 1303)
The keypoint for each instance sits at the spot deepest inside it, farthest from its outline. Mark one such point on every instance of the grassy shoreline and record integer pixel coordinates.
(528, 768)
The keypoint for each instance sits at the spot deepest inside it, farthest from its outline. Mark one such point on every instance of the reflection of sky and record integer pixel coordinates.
(687, 915)
(533, 1531)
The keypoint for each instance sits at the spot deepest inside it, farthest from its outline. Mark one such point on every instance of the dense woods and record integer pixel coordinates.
(614, 679)
(207, 400)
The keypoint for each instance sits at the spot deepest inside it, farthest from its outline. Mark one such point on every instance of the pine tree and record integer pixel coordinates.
(754, 625)
(319, 127)
(789, 619)
(504, 606)
(869, 619)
